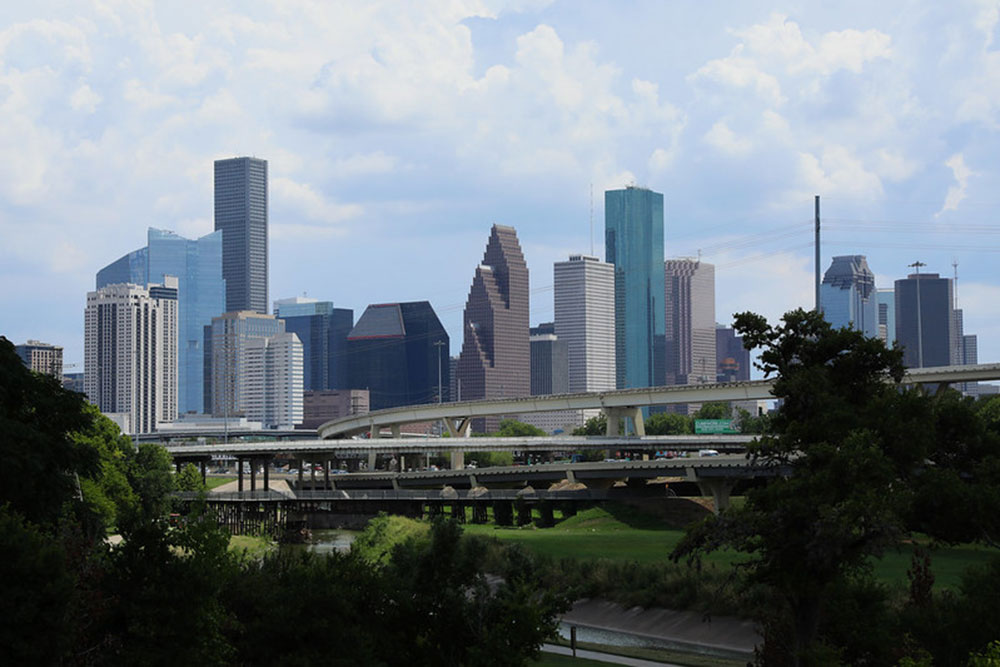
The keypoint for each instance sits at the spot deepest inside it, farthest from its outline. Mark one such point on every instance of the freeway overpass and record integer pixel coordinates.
(616, 404)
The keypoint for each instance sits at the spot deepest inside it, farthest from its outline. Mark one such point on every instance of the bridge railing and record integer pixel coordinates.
(398, 494)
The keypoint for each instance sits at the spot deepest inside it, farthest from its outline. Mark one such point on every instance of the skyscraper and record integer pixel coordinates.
(241, 214)
(231, 369)
(689, 305)
(496, 359)
(396, 351)
(886, 300)
(925, 322)
(197, 264)
(323, 331)
(584, 295)
(847, 295)
(41, 357)
(633, 242)
(130, 353)
(733, 359)
(549, 361)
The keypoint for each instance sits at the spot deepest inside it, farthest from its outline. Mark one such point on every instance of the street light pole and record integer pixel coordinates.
(439, 344)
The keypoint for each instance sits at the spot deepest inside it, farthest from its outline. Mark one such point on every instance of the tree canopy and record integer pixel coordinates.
(864, 454)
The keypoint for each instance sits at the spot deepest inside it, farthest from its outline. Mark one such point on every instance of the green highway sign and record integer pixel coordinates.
(715, 427)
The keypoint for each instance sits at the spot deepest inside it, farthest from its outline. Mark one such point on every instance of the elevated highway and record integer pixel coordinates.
(615, 405)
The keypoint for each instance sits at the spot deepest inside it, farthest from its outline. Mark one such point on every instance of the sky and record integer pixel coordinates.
(397, 133)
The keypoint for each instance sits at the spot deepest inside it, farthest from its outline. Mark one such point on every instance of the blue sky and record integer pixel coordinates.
(397, 133)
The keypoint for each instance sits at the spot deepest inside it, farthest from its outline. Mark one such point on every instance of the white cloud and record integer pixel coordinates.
(740, 72)
(726, 141)
(782, 40)
(310, 203)
(84, 99)
(957, 192)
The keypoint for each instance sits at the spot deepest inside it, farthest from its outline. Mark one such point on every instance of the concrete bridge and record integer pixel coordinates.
(616, 405)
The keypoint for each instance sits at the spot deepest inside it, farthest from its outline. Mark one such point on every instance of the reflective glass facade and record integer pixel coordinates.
(323, 331)
(201, 296)
(633, 242)
(394, 356)
(848, 297)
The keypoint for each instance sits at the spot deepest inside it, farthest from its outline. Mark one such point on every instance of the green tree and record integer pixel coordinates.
(715, 410)
(37, 418)
(848, 434)
(511, 428)
(150, 477)
(189, 479)
(668, 423)
(107, 491)
(593, 426)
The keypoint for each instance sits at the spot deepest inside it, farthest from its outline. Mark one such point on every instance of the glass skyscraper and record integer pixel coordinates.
(241, 215)
(201, 296)
(848, 297)
(323, 331)
(925, 321)
(633, 242)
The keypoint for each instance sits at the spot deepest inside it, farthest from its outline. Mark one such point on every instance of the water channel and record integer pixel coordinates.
(324, 541)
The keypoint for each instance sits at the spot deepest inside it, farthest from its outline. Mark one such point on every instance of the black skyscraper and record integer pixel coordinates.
(392, 354)
(241, 214)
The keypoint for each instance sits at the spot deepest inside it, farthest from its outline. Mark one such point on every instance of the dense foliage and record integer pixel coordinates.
(170, 595)
(860, 462)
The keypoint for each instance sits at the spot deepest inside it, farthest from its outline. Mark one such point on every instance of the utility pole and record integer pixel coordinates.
(439, 344)
(920, 322)
(817, 255)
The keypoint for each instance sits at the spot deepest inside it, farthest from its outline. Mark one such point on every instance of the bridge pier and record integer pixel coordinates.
(717, 487)
(457, 460)
(633, 413)
(503, 513)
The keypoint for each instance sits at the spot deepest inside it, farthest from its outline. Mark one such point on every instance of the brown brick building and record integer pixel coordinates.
(496, 355)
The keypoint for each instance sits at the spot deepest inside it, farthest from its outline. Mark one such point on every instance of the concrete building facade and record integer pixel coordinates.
(495, 360)
(241, 210)
(549, 361)
(633, 242)
(231, 370)
(885, 300)
(320, 407)
(272, 380)
(584, 296)
(41, 357)
(689, 305)
(130, 353)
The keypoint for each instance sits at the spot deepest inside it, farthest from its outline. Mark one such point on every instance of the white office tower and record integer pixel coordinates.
(585, 319)
(130, 353)
(273, 380)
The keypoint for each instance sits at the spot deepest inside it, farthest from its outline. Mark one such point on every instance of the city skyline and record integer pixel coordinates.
(389, 148)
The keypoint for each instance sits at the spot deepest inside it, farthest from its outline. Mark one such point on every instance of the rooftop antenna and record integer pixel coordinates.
(591, 219)
(954, 265)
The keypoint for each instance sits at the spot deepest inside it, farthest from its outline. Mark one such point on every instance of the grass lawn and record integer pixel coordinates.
(619, 533)
(212, 482)
(251, 547)
(609, 531)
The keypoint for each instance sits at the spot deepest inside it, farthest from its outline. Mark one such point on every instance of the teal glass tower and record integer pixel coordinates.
(201, 295)
(633, 243)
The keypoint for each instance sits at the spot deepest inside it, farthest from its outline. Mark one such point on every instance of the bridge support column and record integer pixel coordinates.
(503, 513)
(717, 487)
(395, 430)
(326, 473)
(372, 460)
(479, 512)
(253, 475)
(458, 428)
(267, 475)
(615, 414)
(204, 475)
(239, 473)
(457, 460)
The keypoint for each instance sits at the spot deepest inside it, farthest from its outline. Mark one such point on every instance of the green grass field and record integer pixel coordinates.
(213, 482)
(620, 534)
